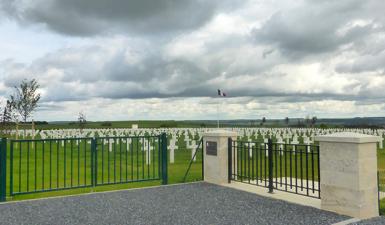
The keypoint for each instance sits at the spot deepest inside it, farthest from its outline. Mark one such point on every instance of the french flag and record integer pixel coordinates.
(221, 93)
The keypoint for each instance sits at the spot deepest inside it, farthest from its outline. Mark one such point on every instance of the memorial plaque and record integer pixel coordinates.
(211, 148)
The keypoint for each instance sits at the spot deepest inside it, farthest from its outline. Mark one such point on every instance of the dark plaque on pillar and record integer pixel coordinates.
(211, 148)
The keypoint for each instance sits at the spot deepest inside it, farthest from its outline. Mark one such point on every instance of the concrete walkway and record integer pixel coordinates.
(195, 203)
(375, 221)
(281, 195)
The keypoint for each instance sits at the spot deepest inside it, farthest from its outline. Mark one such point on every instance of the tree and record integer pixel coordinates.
(287, 121)
(300, 123)
(7, 116)
(82, 121)
(313, 120)
(26, 98)
(263, 121)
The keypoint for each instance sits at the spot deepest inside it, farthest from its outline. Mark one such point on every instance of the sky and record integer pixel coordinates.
(165, 59)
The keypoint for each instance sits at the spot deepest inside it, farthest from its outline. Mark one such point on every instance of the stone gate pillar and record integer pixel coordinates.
(215, 147)
(348, 170)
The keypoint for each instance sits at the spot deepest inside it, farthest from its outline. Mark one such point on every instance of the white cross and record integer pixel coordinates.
(194, 149)
(172, 148)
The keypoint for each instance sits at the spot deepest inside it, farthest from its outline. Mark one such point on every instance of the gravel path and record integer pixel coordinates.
(196, 203)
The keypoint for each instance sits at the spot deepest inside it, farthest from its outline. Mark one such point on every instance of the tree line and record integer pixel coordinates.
(298, 122)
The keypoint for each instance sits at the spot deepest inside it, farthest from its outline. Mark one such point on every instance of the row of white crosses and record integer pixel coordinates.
(282, 135)
(110, 132)
(118, 132)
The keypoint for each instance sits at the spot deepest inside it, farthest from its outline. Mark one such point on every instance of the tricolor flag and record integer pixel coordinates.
(220, 93)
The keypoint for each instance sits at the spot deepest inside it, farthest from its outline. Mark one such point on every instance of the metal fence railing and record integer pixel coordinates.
(285, 167)
(127, 159)
(58, 164)
(3, 167)
(50, 164)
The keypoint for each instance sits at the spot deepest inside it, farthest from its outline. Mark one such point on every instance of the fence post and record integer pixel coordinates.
(230, 161)
(270, 158)
(164, 158)
(348, 170)
(3, 167)
(203, 161)
(216, 153)
(93, 162)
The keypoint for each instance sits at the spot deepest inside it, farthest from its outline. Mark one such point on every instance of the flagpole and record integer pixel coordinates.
(220, 94)
(218, 113)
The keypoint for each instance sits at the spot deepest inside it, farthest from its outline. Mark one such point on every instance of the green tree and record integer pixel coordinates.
(263, 121)
(82, 121)
(287, 120)
(313, 121)
(7, 116)
(26, 98)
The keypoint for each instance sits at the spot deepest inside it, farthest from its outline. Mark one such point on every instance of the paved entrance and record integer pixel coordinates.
(195, 203)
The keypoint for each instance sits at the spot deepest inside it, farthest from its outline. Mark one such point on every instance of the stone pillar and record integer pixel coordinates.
(348, 167)
(215, 147)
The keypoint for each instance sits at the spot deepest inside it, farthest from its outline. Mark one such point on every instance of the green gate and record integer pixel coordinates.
(58, 164)
(3, 166)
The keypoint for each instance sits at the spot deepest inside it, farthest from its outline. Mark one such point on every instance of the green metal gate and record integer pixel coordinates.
(127, 159)
(59, 164)
(3, 166)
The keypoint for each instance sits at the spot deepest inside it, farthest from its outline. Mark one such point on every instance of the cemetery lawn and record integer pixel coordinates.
(176, 172)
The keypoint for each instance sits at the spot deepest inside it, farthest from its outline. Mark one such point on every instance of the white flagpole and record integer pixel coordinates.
(218, 113)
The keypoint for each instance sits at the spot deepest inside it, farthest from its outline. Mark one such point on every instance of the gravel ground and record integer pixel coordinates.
(196, 203)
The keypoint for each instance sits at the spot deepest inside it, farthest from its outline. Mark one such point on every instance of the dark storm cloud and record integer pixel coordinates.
(89, 17)
(365, 63)
(124, 72)
(318, 27)
(263, 65)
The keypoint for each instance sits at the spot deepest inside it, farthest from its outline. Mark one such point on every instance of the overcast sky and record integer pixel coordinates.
(165, 59)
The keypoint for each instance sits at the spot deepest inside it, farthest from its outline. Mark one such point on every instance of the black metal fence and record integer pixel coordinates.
(58, 164)
(285, 167)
